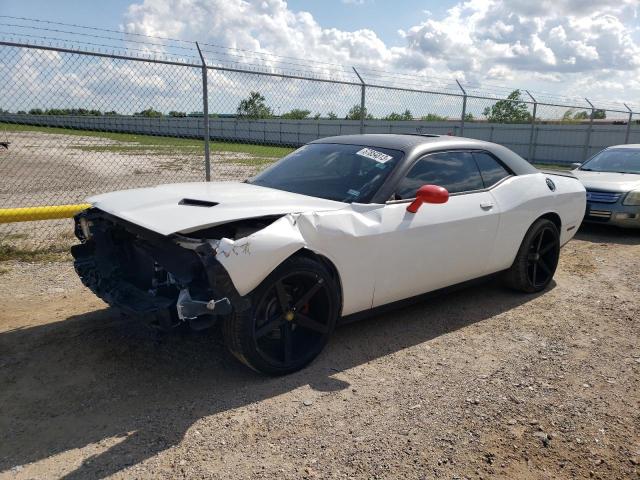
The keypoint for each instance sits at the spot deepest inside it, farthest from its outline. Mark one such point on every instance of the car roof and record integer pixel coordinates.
(420, 144)
(398, 141)
(635, 146)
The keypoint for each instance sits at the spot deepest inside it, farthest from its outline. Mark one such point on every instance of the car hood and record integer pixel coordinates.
(608, 181)
(174, 208)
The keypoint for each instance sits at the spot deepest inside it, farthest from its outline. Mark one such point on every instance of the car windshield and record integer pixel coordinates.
(620, 160)
(346, 173)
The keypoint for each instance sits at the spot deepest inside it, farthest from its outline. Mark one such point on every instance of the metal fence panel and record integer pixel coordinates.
(81, 123)
(76, 156)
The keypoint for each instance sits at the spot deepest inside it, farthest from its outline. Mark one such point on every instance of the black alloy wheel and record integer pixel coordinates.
(294, 311)
(542, 259)
(537, 259)
(292, 318)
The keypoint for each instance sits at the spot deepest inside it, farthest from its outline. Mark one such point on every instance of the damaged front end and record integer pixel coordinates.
(169, 279)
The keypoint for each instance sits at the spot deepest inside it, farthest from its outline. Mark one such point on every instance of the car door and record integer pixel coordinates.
(439, 245)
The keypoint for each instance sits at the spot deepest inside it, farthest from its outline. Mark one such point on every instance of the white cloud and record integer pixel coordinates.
(572, 43)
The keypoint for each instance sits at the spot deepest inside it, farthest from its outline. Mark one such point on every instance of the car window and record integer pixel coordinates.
(347, 173)
(619, 160)
(455, 171)
(490, 169)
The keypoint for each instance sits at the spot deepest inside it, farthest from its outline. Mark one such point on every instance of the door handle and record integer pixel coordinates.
(486, 205)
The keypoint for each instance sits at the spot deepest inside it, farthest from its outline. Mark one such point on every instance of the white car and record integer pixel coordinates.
(339, 227)
(612, 180)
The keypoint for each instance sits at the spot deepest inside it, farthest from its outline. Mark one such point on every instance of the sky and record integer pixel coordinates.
(577, 48)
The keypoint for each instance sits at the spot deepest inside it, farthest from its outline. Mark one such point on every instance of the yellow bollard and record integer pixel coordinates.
(30, 214)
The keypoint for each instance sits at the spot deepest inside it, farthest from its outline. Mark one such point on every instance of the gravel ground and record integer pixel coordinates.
(475, 384)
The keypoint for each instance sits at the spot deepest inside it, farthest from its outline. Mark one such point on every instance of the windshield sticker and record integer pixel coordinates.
(374, 155)
(353, 193)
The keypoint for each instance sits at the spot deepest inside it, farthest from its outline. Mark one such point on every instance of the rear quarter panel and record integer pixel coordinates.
(525, 198)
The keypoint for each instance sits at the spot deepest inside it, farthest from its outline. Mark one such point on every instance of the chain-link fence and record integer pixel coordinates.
(76, 122)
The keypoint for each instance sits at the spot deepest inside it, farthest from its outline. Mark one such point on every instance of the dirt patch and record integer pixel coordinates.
(479, 383)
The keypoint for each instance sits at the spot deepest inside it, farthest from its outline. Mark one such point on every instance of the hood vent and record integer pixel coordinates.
(192, 202)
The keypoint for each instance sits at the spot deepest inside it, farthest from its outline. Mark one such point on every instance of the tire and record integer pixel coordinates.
(293, 313)
(537, 258)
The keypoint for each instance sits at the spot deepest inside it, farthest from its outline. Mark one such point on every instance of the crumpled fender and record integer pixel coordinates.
(250, 259)
(339, 235)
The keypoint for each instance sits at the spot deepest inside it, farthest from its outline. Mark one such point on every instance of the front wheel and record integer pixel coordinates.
(293, 312)
(537, 258)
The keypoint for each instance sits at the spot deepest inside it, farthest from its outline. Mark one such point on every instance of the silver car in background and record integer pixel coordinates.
(612, 180)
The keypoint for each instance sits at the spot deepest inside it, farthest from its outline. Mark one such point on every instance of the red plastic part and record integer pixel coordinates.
(428, 194)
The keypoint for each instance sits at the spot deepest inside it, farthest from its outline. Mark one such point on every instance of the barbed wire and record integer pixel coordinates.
(235, 57)
(95, 28)
(147, 52)
(97, 36)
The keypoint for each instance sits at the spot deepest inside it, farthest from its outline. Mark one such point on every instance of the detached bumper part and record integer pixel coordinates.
(190, 309)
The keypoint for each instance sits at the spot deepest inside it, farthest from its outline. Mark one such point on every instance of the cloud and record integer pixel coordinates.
(541, 42)
(559, 36)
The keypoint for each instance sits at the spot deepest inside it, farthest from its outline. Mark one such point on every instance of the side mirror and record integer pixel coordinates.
(575, 165)
(428, 194)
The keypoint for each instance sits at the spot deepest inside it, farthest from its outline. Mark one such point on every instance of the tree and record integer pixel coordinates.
(599, 114)
(36, 111)
(511, 110)
(355, 113)
(173, 113)
(568, 116)
(149, 112)
(297, 114)
(432, 117)
(572, 116)
(332, 116)
(468, 117)
(317, 116)
(394, 117)
(254, 107)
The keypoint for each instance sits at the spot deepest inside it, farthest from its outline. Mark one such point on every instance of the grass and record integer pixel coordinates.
(133, 144)
(53, 253)
(15, 236)
(145, 144)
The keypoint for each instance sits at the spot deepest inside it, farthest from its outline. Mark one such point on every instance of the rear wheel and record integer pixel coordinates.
(537, 258)
(293, 312)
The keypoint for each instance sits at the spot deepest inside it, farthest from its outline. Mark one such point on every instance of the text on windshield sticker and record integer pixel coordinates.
(374, 155)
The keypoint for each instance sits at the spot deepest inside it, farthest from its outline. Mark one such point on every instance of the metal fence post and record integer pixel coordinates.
(205, 111)
(533, 127)
(362, 100)
(628, 132)
(464, 108)
(587, 142)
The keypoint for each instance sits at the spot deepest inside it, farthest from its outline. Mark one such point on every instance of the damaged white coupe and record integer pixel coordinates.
(338, 228)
